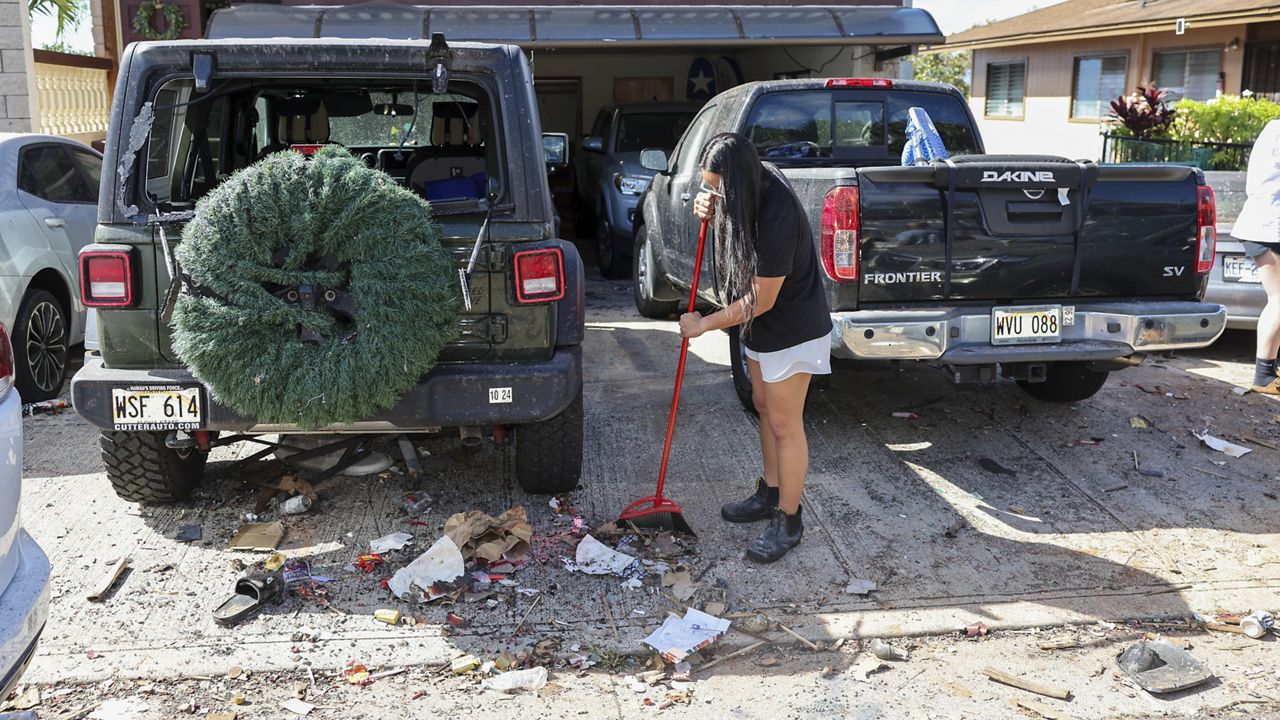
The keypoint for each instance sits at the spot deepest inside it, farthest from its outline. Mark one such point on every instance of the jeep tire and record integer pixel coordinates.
(645, 278)
(549, 453)
(143, 469)
(1066, 382)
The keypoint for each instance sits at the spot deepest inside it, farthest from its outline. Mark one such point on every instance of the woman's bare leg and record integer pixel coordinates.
(1269, 321)
(768, 447)
(785, 402)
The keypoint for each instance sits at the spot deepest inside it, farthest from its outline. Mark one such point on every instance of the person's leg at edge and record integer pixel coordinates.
(1268, 322)
(760, 504)
(785, 401)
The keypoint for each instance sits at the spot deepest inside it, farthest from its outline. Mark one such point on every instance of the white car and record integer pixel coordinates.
(48, 211)
(24, 568)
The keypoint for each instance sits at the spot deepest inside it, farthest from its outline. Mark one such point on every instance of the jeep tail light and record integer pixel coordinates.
(1206, 229)
(860, 82)
(106, 278)
(6, 362)
(840, 233)
(539, 275)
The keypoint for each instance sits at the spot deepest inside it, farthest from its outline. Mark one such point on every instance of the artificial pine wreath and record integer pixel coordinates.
(173, 20)
(318, 290)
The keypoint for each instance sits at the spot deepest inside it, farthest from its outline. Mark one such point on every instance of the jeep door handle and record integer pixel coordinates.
(55, 222)
(684, 197)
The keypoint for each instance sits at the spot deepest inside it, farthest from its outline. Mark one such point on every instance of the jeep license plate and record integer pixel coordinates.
(157, 408)
(1238, 268)
(1026, 325)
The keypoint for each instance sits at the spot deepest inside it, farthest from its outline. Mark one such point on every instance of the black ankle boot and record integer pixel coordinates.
(756, 507)
(784, 532)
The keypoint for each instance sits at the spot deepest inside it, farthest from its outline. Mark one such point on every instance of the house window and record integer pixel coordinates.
(1191, 75)
(1006, 86)
(1099, 79)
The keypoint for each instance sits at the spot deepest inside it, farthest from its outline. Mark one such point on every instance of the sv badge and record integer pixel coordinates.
(1174, 271)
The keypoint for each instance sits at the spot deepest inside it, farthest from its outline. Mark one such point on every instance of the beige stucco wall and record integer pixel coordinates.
(1046, 125)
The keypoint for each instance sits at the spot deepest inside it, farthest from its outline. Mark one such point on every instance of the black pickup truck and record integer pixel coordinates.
(1050, 271)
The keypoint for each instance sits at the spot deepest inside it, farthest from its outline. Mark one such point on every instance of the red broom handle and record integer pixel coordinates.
(684, 353)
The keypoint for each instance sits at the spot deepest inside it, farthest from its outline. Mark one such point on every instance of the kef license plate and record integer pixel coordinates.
(1026, 325)
(157, 408)
(1238, 268)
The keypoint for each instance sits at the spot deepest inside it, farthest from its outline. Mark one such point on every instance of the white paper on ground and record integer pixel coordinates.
(387, 543)
(442, 562)
(1222, 446)
(860, 586)
(119, 709)
(678, 637)
(295, 705)
(532, 679)
(595, 558)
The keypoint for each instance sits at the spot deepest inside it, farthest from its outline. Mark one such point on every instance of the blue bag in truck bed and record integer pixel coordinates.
(455, 188)
(924, 144)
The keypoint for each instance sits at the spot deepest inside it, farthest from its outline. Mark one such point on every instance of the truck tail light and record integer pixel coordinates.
(106, 278)
(1206, 229)
(860, 82)
(6, 363)
(840, 233)
(539, 275)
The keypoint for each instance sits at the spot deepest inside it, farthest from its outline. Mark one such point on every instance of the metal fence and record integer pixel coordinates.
(1206, 156)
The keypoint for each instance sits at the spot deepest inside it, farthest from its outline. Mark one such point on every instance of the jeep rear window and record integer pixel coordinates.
(435, 144)
(824, 125)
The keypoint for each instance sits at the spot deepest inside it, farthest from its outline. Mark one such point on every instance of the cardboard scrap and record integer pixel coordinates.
(680, 582)
(442, 562)
(263, 537)
(479, 536)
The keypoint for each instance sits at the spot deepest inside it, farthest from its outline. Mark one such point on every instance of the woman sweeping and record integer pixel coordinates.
(1258, 226)
(766, 258)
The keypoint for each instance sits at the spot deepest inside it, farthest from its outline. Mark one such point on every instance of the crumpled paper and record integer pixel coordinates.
(442, 562)
(595, 558)
(479, 536)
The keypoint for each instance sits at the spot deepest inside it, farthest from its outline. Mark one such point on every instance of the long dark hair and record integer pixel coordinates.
(734, 159)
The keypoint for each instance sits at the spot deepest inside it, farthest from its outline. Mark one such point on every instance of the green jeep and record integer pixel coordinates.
(187, 114)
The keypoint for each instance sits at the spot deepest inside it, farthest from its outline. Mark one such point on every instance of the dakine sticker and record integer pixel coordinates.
(499, 395)
(1017, 176)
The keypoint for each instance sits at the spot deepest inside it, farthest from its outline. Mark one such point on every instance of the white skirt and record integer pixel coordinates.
(813, 357)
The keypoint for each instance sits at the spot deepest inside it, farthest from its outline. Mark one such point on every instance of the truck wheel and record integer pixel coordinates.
(738, 364)
(612, 263)
(143, 469)
(549, 453)
(644, 276)
(1066, 382)
(40, 347)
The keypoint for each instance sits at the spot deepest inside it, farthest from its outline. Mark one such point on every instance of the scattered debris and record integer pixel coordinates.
(736, 653)
(865, 667)
(1025, 684)
(1161, 667)
(994, 466)
(1257, 624)
(464, 664)
(595, 558)
(388, 616)
(108, 581)
(1222, 446)
(1039, 708)
(678, 637)
(294, 705)
(417, 504)
(189, 533)
(680, 582)
(885, 651)
(1060, 643)
(1137, 422)
(118, 709)
(860, 586)
(755, 624)
(976, 630)
(478, 535)
(27, 699)
(263, 537)
(52, 407)
(906, 415)
(442, 562)
(387, 543)
(533, 679)
(296, 505)
(805, 641)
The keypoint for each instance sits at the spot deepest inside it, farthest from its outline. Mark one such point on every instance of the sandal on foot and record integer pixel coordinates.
(252, 592)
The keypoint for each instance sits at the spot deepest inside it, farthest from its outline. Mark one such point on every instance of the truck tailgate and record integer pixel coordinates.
(987, 228)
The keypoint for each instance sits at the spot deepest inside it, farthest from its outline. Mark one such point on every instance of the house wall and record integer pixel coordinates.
(597, 69)
(1046, 125)
(17, 71)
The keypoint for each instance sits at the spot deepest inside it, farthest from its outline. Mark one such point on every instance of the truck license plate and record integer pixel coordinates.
(1238, 268)
(157, 408)
(1026, 325)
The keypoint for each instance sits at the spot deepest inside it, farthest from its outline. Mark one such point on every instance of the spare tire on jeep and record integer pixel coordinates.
(317, 290)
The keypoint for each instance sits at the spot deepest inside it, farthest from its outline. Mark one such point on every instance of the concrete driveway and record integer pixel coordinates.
(1059, 515)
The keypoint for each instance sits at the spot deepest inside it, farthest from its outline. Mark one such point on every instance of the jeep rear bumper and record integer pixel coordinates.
(962, 336)
(451, 395)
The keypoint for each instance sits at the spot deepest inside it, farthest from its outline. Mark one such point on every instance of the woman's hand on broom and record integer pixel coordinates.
(691, 325)
(703, 206)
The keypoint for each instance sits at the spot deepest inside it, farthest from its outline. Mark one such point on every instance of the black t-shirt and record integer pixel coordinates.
(784, 248)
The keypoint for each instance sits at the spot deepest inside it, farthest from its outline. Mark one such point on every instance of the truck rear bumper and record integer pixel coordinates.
(451, 395)
(962, 336)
